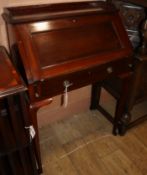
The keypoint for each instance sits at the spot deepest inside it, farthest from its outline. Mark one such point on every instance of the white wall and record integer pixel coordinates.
(3, 3)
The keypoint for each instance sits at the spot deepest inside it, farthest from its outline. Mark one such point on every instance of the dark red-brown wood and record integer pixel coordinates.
(81, 42)
(16, 152)
(10, 82)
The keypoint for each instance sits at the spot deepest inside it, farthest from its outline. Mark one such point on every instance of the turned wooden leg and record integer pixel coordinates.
(33, 115)
(95, 95)
(125, 120)
(33, 108)
(122, 113)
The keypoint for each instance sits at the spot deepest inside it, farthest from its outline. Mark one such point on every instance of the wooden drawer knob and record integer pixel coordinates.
(109, 70)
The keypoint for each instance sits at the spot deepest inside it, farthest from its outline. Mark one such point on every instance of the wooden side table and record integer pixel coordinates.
(16, 152)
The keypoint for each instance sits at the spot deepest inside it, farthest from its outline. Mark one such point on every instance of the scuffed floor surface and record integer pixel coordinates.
(83, 145)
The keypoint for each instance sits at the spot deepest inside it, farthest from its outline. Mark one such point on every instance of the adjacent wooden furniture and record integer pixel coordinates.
(133, 17)
(16, 152)
(61, 47)
(142, 3)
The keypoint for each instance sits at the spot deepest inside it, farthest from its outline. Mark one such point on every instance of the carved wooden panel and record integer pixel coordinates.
(132, 16)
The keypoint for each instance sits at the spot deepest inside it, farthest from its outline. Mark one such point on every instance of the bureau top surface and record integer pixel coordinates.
(49, 11)
(10, 82)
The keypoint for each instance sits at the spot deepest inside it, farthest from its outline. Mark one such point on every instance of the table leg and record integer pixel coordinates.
(33, 114)
(122, 113)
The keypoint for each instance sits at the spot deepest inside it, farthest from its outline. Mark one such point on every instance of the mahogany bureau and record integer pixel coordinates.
(61, 47)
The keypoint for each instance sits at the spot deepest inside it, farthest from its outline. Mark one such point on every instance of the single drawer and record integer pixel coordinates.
(54, 86)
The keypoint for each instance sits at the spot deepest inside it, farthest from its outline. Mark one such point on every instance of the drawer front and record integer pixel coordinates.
(56, 85)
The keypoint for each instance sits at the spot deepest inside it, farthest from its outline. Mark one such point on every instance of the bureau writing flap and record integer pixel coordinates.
(67, 37)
